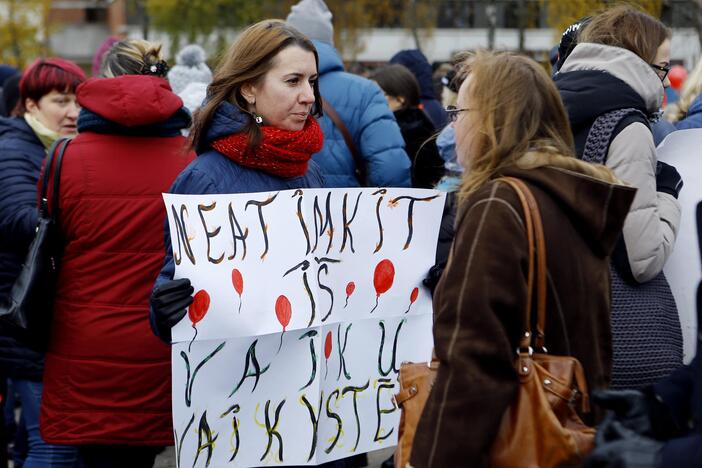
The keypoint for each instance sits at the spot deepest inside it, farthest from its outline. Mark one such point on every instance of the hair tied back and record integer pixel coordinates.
(159, 69)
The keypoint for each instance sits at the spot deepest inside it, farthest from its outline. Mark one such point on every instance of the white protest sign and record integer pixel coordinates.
(683, 269)
(306, 303)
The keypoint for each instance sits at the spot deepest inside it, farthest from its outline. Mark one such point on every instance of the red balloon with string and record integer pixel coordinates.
(383, 278)
(238, 283)
(197, 310)
(327, 351)
(350, 288)
(413, 297)
(283, 311)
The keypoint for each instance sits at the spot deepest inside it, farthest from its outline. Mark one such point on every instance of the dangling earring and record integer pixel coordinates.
(257, 118)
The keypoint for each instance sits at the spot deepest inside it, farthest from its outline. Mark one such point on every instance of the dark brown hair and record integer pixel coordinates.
(626, 27)
(247, 61)
(397, 81)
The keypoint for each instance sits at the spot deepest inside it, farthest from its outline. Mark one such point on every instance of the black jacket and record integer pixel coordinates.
(21, 157)
(420, 144)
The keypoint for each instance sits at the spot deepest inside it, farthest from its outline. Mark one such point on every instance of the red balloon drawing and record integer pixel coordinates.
(283, 310)
(327, 351)
(350, 288)
(197, 310)
(413, 297)
(238, 283)
(382, 279)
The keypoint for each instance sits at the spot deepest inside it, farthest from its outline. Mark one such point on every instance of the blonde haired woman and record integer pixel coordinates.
(687, 111)
(510, 121)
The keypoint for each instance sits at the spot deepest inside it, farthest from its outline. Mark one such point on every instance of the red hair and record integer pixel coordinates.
(46, 75)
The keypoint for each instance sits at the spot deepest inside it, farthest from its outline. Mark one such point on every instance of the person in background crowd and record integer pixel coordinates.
(10, 94)
(107, 379)
(418, 64)
(687, 111)
(6, 72)
(46, 111)
(190, 76)
(510, 121)
(360, 105)
(100, 53)
(437, 79)
(402, 93)
(613, 80)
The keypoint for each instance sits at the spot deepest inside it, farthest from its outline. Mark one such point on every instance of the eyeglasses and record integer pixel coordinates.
(662, 72)
(452, 113)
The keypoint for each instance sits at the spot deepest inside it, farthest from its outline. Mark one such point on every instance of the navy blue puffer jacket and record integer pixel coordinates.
(21, 157)
(213, 173)
(363, 109)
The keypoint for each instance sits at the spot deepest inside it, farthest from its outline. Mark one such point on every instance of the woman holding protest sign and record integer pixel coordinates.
(256, 132)
(107, 381)
(510, 121)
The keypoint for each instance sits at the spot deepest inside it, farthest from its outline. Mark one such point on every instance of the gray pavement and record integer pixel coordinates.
(167, 458)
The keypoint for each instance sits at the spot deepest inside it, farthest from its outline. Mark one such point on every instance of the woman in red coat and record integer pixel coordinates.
(107, 381)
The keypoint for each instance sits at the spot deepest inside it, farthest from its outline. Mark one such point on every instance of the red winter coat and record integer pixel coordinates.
(107, 378)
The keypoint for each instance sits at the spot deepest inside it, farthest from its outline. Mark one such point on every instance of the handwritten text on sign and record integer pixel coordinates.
(306, 303)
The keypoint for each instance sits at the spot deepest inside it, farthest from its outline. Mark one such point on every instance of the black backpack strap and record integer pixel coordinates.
(604, 129)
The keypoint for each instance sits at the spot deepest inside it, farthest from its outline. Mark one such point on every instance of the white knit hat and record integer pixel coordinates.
(313, 19)
(190, 68)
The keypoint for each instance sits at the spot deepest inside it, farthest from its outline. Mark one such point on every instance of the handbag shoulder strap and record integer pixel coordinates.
(357, 157)
(537, 260)
(61, 145)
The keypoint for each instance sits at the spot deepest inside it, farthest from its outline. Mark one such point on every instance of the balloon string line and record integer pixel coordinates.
(347, 301)
(408, 307)
(326, 366)
(191, 341)
(281, 342)
(240, 304)
(376, 303)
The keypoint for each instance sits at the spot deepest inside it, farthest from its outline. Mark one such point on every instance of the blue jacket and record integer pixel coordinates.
(213, 173)
(693, 119)
(362, 107)
(420, 67)
(21, 157)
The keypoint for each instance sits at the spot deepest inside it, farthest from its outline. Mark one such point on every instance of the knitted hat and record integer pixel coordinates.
(190, 68)
(313, 19)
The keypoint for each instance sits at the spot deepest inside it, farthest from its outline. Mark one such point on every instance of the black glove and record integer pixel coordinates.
(623, 448)
(433, 276)
(640, 411)
(169, 302)
(630, 408)
(668, 179)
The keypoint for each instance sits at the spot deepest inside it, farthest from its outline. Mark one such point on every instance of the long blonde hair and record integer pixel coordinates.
(690, 90)
(518, 111)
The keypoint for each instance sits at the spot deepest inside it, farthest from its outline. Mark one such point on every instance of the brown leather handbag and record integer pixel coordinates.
(416, 380)
(542, 428)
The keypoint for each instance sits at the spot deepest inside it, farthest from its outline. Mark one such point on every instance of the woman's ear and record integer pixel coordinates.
(248, 91)
(31, 105)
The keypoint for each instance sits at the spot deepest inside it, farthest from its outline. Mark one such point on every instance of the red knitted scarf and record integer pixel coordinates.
(283, 153)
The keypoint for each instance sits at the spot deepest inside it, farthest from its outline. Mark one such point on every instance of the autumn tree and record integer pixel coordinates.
(562, 14)
(23, 30)
(201, 21)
